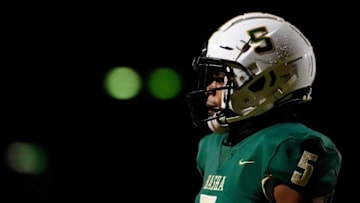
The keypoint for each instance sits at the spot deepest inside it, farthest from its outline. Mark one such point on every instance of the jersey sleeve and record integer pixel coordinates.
(309, 164)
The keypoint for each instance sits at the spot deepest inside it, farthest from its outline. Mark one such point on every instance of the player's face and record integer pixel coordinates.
(213, 102)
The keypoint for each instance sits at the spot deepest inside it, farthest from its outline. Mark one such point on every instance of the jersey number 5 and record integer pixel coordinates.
(302, 178)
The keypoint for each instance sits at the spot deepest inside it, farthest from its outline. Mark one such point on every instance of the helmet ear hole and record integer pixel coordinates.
(258, 85)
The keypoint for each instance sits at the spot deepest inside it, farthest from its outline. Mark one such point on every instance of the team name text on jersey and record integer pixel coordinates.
(215, 182)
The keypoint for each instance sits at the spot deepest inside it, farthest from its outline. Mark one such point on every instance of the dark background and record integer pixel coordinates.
(100, 149)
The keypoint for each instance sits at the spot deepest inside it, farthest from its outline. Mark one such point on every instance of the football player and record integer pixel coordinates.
(254, 72)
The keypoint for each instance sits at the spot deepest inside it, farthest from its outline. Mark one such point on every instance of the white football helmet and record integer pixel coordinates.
(267, 62)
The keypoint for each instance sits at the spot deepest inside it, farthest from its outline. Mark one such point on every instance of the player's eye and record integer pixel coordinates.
(219, 77)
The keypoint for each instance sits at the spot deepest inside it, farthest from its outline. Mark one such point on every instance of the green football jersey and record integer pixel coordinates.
(290, 153)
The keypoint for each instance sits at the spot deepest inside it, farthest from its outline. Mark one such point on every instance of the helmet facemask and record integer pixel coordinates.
(209, 69)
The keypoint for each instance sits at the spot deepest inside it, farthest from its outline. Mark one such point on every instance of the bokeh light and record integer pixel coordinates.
(122, 83)
(26, 158)
(164, 83)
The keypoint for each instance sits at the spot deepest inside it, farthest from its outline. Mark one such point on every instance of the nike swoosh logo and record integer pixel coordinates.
(241, 162)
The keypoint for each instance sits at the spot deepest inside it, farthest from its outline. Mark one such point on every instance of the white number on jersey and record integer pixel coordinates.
(302, 178)
(207, 198)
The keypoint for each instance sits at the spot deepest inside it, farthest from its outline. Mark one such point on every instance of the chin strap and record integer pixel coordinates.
(216, 126)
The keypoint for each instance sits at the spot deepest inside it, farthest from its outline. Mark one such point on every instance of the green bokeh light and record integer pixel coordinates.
(27, 158)
(122, 83)
(164, 83)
